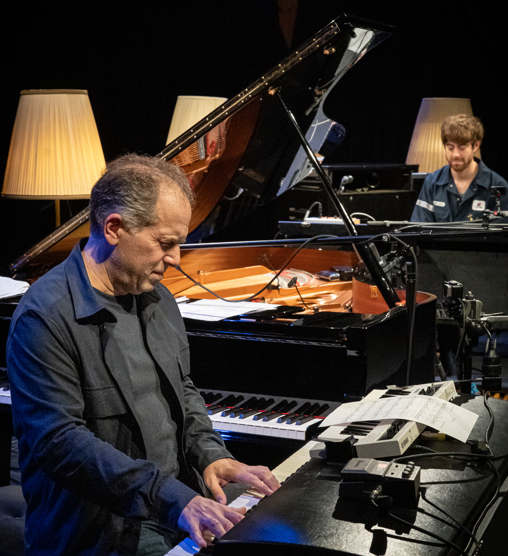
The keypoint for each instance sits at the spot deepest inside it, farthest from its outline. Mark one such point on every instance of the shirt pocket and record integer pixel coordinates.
(103, 402)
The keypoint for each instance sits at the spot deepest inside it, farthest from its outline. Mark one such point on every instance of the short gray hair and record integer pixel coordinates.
(130, 186)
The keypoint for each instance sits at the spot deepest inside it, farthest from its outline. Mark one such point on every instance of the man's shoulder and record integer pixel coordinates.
(440, 177)
(495, 179)
(166, 301)
(46, 293)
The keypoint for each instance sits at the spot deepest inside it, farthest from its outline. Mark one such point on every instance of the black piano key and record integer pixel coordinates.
(286, 418)
(215, 409)
(271, 416)
(233, 412)
(358, 431)
(259, 403)
(360, 426)
(228, 401)
(215, 397)
(211, 397)
(393, 392)
(262, 409)
(266, 404)
(256, 407)
(279, 406)
(304, 420)
(303, 408)
(321, 410)
(311, 409)
(206, 396)
(277, 414)
(300, 412)
(247, 413)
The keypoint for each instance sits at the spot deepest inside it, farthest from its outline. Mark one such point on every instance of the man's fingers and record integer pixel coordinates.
(217, 491)
(197, 537)
(242, 510)
(261, 479)
(264, 474)
(218, 528)
(202, 514)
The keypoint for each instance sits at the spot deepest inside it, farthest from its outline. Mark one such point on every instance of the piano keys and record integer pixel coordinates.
(274, 417)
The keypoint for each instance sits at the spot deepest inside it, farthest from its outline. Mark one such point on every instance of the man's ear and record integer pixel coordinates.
(476, 146)
(113, 228)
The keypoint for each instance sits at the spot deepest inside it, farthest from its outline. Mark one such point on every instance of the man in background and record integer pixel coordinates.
(116, 449)
(464, 188)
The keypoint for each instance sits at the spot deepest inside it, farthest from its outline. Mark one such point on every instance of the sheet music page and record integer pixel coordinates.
(12, 288)
(216, 309)
(444, 416)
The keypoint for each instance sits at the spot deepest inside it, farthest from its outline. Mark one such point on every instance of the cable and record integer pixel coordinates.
(489, 459)
(303, 301)
(253, 296)
(421, 529)
(449, 516)
(455, 455)
(490, 428)
(488, 506)
(363, 214)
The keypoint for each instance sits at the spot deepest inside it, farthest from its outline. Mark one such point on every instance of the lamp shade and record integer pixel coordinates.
(426, 148)
(189, 110)
(55, 150)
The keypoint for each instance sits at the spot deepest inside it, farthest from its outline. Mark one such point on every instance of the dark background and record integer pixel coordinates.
(134, 59)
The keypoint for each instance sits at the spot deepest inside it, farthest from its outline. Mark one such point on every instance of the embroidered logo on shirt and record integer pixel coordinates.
(478, 205)
(439, 203)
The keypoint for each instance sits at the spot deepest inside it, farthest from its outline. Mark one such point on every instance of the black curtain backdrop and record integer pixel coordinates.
(135, 59)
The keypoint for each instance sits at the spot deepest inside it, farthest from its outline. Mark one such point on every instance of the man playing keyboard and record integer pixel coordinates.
(116, 449)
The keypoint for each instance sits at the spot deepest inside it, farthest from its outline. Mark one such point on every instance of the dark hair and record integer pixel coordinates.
(130, 186)
(462, 129)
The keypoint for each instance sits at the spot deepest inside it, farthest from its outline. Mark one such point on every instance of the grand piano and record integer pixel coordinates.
(324, 342)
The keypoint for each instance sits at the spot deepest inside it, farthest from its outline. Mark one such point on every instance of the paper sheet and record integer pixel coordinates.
(12, 288)
(216, 309)
(444, 416)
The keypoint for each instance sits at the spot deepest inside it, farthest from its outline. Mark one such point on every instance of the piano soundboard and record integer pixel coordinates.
(269, 416)
(387, 437)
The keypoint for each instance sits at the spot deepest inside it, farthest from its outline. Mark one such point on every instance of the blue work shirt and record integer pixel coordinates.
(440, 201)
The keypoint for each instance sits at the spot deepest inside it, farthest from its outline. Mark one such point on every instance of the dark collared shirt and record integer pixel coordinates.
(440, 201)
(84, 467)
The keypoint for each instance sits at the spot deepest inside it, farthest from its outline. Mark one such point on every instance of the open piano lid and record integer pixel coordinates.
(245, 153)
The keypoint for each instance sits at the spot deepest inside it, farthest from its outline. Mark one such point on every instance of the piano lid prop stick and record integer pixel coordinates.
(378, 275)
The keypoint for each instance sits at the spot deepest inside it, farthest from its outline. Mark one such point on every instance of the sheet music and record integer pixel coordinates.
(447, 418)
(12, 288)
(216, 309)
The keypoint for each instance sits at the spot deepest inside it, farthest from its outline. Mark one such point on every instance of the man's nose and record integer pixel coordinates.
(172, 257)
